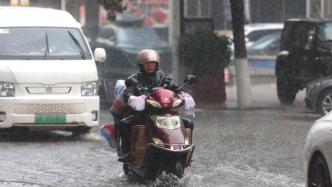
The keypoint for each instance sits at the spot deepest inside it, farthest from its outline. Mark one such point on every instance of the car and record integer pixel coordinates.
(48, 73)
(305, 55)
(122, 41)
(318, 98)
(262, 55)
(266, 46)
(255, 31)
(318, 153)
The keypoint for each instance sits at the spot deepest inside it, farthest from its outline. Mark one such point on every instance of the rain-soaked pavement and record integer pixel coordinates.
(256, 147)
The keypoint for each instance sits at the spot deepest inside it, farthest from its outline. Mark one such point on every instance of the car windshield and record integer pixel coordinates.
(325, 33)
(138, 36)
(42, 43)
(265, 41)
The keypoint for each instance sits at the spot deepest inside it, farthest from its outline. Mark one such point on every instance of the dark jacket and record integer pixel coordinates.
(158, 79)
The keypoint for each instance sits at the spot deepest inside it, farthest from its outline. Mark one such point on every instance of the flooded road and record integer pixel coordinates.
(257, 147)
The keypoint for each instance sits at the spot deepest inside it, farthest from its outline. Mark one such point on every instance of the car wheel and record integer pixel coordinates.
(324, 104)
(285, 90)
(319, 175)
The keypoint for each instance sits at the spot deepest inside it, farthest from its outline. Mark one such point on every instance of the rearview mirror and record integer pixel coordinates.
(190, 79)
(100, 54)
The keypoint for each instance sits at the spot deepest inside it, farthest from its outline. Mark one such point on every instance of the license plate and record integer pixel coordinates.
(50, 119)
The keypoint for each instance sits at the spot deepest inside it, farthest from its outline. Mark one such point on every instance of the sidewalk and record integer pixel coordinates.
(264, 96)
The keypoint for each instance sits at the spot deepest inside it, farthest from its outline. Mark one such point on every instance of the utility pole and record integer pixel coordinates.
(244, 96)
(63, 4)
(308, 8)
(174, 34)
(247, 10)
(322, 9)
(92, 18)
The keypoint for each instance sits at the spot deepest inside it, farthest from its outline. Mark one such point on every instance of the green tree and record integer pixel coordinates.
(204, 51)
(112, 5)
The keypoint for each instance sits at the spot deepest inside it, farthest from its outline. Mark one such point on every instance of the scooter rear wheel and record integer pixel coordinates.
(118, 140)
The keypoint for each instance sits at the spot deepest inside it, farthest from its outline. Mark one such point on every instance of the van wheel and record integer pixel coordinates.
(285, 90)
(319, 173)
(324, 104)
(80, 131)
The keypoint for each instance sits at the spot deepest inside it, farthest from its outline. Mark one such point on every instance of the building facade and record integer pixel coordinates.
(84, 11)
(275, 10)
(319, 9)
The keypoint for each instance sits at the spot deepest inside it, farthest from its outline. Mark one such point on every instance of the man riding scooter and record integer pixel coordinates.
(150, 77)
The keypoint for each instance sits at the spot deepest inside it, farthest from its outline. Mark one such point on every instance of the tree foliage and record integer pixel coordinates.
(112, 5)
(204, 51)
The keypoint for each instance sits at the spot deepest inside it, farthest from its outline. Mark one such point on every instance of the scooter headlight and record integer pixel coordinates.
(165, 122)
(177, 103)
(153, 103)
(157, 141)
(89, 88)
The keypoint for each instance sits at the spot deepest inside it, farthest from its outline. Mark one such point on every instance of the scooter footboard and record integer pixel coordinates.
(139, 142)
(175, 151)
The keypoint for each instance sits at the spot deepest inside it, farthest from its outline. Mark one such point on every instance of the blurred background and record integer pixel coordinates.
(148, 23)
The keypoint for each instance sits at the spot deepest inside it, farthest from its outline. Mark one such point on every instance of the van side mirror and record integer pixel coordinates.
(100, 54)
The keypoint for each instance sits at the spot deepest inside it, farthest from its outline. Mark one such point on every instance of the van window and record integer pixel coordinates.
(43, 43)
(255, 35)
(325, 32)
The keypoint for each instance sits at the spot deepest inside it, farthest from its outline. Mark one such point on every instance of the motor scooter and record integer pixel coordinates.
(163, 144)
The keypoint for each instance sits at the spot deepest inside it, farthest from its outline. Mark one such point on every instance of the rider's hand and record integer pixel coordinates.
(176, 88)
(137, 102)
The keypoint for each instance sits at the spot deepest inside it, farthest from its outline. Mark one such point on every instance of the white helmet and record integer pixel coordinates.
(147, 55)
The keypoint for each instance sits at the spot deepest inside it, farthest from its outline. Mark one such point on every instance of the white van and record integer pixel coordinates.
(48, 76)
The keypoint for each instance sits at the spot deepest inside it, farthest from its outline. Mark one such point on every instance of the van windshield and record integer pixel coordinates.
(40, 43)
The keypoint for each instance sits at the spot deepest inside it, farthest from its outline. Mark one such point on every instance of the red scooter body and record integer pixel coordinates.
(163, 144)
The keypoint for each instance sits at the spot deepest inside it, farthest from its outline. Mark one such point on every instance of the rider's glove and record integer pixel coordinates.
(176, 89)
(137, 102)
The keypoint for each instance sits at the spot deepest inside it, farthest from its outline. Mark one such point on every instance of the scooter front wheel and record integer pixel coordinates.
(176, 168)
